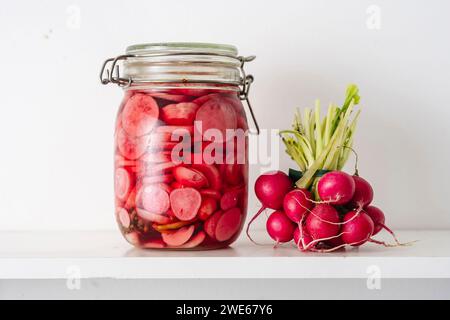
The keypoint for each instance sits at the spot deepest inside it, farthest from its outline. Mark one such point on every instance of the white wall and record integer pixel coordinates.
(56, 122)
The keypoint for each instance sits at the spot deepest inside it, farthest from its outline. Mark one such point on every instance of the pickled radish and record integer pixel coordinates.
(179, 114)
(153, 244)
(211, 193)
(195, 241)
(190, 177)
(159, 168)
(233, 173)
(130, 148)
(218, 116)
(176, 130)
(166, 178)
(210, 225)
(153, 199)
(178, 237)
(139, 115)
(123, 217)
(156, 157)
(228, 224)
(211, 173)
(132, 238)
(152, 217)
(207, 208)
(122, 183)
(170, 97)
(185, 203)
(131, 200)
(230, 199)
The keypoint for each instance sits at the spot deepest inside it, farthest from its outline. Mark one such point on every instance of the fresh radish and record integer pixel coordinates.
(195, 241)
(123, 217)
(152, 217)
(230, 199)
(207, 208)
(211, 173)
(297, 203)
(280, 227)
(153, 199)
(336, 187)
(179, 114)
(185, 203)
(217, 115)
(323, 222)
(228, 224)
(270, 189)
(123, 183)
(302, 242)
(178, 237)
(131, 148)
(363, 195)
(357, 228)
(139, 115)
(211, 224)
(190, 177)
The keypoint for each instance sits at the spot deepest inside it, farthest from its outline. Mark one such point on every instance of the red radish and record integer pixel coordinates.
(280, 227)
(176, 130)
(211, 193)
(167, 178)
(123, 217)
(233, 173)
(195, 241)
(179, 114)
(190, 177)
(270, 189)
(169, 97)
(378, 219)
(185, 203)
(164, 186)
(130, 148)
(207, 208)
(306, 240)
(323, 222)
(153, 199)
(153, 244)
(297, 203)
(122, 183)
(201, 100)
(363, 193)
(211, 173)
(228, 224)
(211, 224)
(177, 185)
(139, 115)
(357, 228)
(194, 92)
(230, 199)
(152, 217)
(336, 187)
(218, 115)
(178, 237)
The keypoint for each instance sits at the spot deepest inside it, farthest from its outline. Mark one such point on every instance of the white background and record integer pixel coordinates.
(56, 123)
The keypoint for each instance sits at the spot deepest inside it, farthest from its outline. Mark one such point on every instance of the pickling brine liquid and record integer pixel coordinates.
(181, 168)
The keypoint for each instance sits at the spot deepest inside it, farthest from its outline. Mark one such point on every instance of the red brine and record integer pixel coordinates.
(181, 168)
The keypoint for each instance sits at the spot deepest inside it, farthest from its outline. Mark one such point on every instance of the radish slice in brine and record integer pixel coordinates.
(185, 203)
(179, 114)
(195, 241)
(228, 224)
(153, 217)
(154, 199)
(139, 115)
(123, 217)
(178, 237)
(122, 183)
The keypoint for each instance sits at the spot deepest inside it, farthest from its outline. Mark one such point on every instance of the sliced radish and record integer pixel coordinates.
(166, 178)
(123, 217)
(177, 130)
(185, 203)
(160, 168)
(177, 185)
(179, 114)
(201, 100)
(153, 199)
(164, 146)
(132, 238)
(211, 173)
(207, 208)
(178, 237)
(195, 241)
(190, 177)
(169, 97)
(152, 217)
(131, 148)
(211, 193)
(219, 115)
(192, 92)
(131, 200)
(230, 199)
(153, 244)
(157, 157)
(164, 186)
(125, 163)
(228, 224)
(210, 225)
(139, 115)
(122, 183)
(233, 173)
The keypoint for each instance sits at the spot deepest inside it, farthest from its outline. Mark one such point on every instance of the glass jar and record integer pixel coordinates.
(181, 144)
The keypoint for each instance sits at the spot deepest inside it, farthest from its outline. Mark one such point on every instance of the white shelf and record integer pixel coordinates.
(60, 255)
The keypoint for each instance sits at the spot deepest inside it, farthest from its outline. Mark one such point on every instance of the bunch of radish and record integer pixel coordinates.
(320, 207)
(175, 186)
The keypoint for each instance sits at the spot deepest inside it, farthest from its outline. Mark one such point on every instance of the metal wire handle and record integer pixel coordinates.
(245, 81)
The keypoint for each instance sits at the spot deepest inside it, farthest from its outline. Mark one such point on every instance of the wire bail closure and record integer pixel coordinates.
(112, 75)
